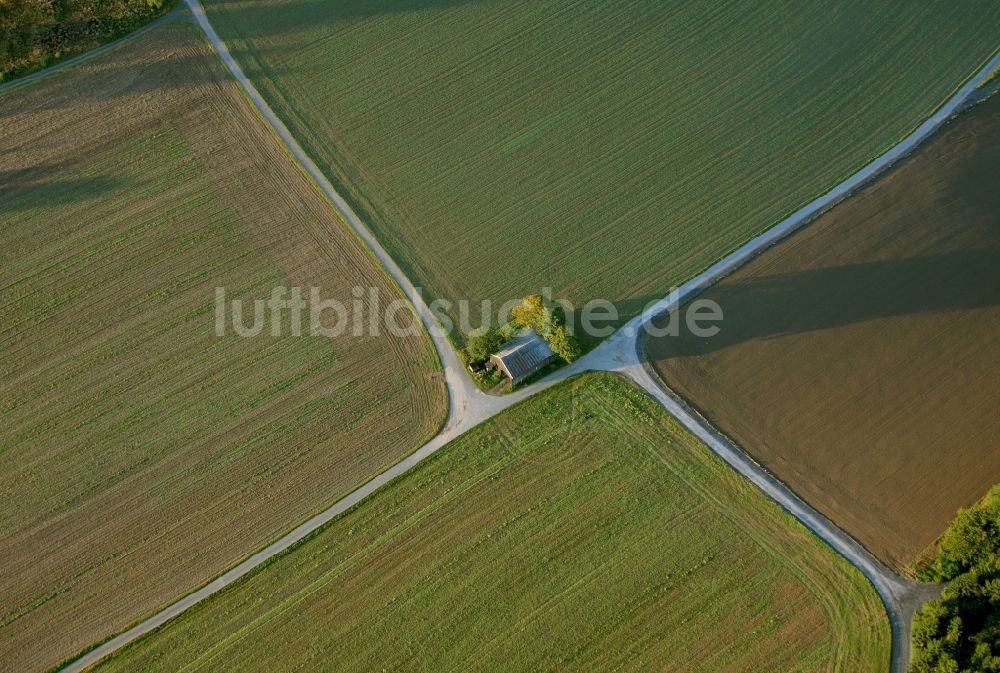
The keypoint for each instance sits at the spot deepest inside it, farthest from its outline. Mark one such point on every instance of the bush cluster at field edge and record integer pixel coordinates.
(35, 34)
(960, 632)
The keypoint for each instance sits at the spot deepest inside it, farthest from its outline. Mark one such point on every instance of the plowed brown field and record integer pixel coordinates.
(860, 360)
(140, 454)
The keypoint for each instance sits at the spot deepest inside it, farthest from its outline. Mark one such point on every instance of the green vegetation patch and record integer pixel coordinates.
(960, 632)
(35, 34)
(583, 529)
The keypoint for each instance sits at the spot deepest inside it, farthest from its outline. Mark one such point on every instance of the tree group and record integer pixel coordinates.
(36, 33)
(549, 323)
(960, 632)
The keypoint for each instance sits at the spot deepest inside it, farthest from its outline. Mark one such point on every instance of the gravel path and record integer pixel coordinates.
(622, 352)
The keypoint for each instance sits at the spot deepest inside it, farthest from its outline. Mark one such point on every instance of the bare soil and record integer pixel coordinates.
(859, 360)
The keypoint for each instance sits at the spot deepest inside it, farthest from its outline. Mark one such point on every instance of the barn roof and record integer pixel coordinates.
(524, 355)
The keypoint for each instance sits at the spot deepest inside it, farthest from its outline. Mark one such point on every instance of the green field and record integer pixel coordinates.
(582, 529)
(140, 453)
(605, 149)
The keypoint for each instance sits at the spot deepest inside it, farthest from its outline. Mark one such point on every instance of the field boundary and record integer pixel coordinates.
(621, 352)
(900, 595)
(176, 14)
(821, 204)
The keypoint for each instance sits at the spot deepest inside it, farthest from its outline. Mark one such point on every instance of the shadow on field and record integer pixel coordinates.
(941, 205)
(110, 80)
(107, 78)
(820, 299)
(264, 17)
(29, 188)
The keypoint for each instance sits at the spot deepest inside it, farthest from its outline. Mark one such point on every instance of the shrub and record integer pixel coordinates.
(36, 33)
(550, 325)
(562, 344)
(482, 343)
(532, 313)
(960, 632)
(973, 536)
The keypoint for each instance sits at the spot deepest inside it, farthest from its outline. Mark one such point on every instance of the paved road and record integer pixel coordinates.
(622, 352)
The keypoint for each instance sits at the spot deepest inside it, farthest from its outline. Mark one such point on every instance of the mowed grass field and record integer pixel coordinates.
(604, 149)
(581, 530)
(140, 454)
(859, 360)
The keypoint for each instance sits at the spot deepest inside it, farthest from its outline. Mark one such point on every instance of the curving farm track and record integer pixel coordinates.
(622, 353)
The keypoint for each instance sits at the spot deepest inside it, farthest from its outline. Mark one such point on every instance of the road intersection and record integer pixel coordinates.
(622, 352)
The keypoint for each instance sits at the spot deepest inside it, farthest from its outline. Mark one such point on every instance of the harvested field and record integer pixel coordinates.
(605, 149)
(580, 530)
(140, 454)
(860, 360)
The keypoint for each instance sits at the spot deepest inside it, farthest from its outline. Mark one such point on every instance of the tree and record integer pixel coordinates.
(482, 343)
(960, 632)
(532, 313)
(36, 33)
(550, 325)
(973, 536)
(562, 344)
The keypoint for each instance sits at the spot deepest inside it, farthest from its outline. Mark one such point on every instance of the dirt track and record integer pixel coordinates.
(859, 360)
(618, 353)
(125, 419)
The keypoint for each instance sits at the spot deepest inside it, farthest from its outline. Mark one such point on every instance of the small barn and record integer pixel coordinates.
(522, 356)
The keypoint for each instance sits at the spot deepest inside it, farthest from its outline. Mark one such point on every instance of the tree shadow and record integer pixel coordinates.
(944, 197)
(785, 304)
(114, 80)
(26, 189)
(105, 76)
(264, 18)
